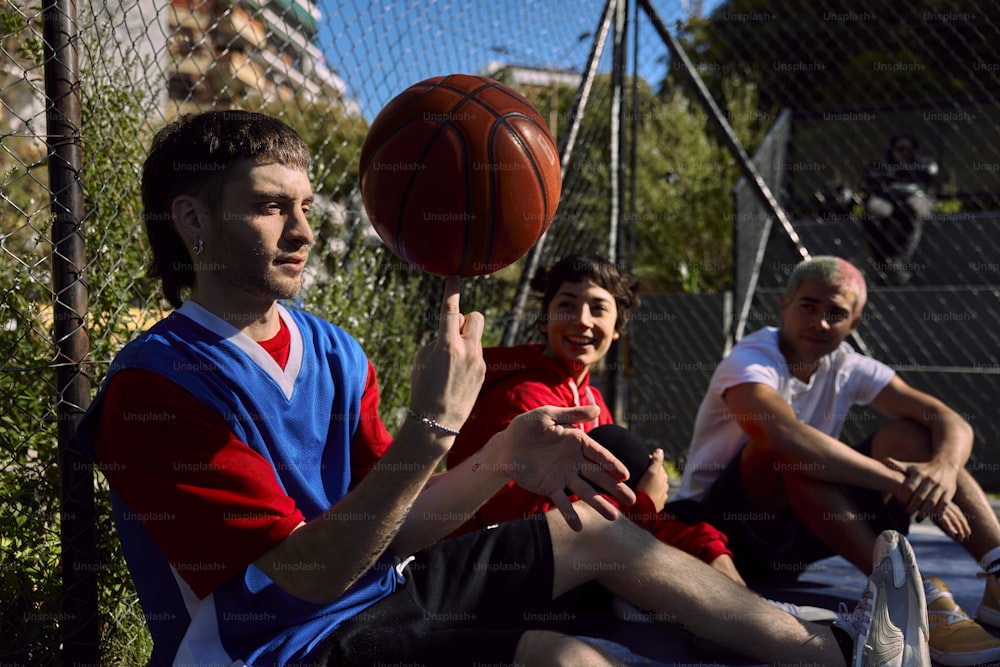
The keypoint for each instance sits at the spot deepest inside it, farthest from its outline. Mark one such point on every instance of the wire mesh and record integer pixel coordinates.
(924, 77)
(845, 77)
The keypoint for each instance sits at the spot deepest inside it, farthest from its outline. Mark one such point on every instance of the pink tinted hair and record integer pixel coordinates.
(832, 271)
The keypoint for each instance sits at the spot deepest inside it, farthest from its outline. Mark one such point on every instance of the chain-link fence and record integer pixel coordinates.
(655, 105)
(923, 80)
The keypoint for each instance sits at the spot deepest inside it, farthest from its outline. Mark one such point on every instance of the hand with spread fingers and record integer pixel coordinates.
(543, 452)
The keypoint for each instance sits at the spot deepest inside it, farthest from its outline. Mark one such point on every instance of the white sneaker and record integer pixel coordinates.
(889, 624)
(804, 612)
(625, 611)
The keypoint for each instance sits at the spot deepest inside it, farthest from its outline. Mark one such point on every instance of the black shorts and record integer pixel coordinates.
(466, 600)
(791, 548)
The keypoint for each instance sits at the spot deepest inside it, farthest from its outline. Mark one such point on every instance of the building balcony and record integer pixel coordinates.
(238, 28)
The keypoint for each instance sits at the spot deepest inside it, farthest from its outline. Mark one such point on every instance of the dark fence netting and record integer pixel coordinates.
(706, 148)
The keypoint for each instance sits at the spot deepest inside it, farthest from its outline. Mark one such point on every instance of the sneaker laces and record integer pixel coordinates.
(950, 616)
(857, 621)
(787, 607)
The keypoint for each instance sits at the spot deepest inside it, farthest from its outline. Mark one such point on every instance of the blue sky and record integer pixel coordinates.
(380, 47)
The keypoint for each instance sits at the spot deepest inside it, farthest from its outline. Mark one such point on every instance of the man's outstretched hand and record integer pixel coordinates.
(543, 452)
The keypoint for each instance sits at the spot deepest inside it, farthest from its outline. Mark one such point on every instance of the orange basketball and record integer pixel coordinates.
(459, 175)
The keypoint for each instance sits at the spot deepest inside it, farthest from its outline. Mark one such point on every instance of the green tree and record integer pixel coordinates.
(848, 53)
(684, 177)
(684, 207)
(123, 300)
(29, 512)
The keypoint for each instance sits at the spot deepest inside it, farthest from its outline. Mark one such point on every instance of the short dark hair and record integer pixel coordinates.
(582, 268)
(193, 156)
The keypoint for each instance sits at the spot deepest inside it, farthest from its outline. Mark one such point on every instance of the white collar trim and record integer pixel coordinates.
(285, 378)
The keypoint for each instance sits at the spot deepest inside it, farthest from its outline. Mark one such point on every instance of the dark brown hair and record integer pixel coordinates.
(583, 268)
(192, 156)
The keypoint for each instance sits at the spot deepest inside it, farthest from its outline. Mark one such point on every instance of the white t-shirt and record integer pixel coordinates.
(844, 378)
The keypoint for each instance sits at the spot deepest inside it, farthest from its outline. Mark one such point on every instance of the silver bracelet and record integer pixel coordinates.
(430, 423)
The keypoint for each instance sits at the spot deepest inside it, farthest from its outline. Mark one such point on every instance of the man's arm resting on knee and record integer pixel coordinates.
(769, 421)
(934, 481)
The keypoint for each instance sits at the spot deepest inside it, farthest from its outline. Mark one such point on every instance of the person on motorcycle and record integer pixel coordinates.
(899, 198)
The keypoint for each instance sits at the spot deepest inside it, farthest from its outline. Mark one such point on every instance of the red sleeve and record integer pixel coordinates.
(372, 438)
(204, 496)
(642, 511)
(702, 540)
(494, 410)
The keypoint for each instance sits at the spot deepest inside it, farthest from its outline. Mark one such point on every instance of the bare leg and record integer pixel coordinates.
(551, 649)
(726, 566)
(826, 509)
(679, 588)
(982, 519)
(829, 512)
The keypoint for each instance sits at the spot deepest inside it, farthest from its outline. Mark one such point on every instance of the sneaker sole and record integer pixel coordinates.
(818, 615)
(915, 629)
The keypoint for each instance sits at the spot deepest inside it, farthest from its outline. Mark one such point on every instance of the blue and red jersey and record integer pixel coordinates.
(216, 447)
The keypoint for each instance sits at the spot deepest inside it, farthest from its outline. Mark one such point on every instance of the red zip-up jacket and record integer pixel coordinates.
(522, 378)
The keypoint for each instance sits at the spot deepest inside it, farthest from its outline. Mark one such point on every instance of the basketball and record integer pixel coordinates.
(459, 175)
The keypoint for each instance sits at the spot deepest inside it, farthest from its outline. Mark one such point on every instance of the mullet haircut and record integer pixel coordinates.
(192, 156)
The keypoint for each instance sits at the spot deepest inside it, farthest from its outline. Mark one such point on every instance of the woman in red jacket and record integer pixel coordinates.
(585, 306)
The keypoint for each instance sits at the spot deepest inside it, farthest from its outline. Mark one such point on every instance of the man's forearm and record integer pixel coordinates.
(450, 500)
(769, 421)
(815, 454)
(323, 557)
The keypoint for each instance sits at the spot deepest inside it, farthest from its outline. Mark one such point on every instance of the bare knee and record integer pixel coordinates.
(582, 556)
(597, 532)
(544, 648)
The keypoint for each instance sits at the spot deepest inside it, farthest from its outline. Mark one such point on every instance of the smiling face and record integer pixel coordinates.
(580, 325)
(815, 320)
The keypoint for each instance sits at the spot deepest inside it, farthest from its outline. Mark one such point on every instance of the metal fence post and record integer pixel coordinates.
(617, 186)
(63, 128)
